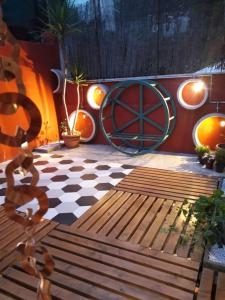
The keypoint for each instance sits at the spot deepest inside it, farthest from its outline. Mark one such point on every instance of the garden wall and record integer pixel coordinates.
(36, 60)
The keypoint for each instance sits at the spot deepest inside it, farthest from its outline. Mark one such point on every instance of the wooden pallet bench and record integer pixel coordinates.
(123, 247)
(11, 234)
(212, 285)
(92, 267)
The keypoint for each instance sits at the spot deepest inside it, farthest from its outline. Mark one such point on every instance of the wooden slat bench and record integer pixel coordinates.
(212, 285)
(145, 206)
(123, 247)
(92, 267)
(167, 184)
(11, 234)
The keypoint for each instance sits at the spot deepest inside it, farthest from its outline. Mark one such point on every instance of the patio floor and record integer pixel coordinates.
(76, 179)
(118, 250)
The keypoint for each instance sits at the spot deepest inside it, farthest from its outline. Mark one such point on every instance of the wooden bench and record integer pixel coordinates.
(212, 285)
(92, 267)
(11, 234)
(122, 247)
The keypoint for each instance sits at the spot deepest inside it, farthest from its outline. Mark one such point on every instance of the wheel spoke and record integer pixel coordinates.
(153, 108)
(129, 123)
(124, 105)
(153, 123)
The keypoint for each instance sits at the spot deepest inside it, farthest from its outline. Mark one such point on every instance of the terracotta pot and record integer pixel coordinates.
(71, 141)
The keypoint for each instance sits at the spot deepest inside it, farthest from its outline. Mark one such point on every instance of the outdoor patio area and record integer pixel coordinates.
(112, 150)
(75, 179)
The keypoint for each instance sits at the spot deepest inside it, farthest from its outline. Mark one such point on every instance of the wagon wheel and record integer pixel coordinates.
(141, 132)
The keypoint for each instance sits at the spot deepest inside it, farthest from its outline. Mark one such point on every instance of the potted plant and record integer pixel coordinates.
(78, 78)
(70, 137)
(61, 23)
(210, 161)
(201, 150)
(220, 160)
(209, 221)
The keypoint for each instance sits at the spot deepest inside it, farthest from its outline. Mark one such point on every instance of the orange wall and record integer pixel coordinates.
(36, 60)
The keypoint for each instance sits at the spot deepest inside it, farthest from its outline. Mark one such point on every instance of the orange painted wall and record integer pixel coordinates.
(36, 60)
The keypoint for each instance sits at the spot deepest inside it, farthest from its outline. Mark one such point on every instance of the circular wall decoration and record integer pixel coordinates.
(141, 125)
(209, 130)
(86, 124)
(192, 93)
(57, 81)
(96, 94)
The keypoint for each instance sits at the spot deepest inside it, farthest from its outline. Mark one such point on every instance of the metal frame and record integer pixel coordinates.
(127, 146)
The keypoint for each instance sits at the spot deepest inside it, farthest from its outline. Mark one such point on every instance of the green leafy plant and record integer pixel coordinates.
(209, 216)
(61, 21)
(201, 150)
(78, 78)
(67, 131)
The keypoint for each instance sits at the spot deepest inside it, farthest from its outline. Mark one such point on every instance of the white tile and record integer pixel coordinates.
(88, 183)
(66, 207)
(80, 211)
(87, 192)
(56, 185)
(51, 213)
(69, 197)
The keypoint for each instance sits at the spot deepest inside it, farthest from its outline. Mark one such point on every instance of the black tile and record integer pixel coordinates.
(44, 188)
(53, 202)
(127, 166)
(89, 177)
(86, 200)
(104, 186)
(76, 169)
(59, 178)
(2, 192)
(2, 180)
(35, 156)
(70, 188)
(102, 167)
(117, 175)
(49, 170)
(1, 171)
(56, 156)
(26, 180)
(90, 161)
(66, 218)
(66, 162)
(41, 163)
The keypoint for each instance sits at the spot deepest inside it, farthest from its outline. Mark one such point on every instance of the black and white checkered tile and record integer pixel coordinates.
(72, 185)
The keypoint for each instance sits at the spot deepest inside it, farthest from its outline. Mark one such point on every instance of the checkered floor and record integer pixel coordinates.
(72, 185)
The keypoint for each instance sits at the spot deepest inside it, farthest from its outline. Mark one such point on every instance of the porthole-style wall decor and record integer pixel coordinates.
(192, 93)
(209, 130)
(96, 94)
(86, 124)
(58, 80)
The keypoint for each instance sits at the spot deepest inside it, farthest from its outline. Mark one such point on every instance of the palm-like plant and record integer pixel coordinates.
(61, 16)
(79, 79)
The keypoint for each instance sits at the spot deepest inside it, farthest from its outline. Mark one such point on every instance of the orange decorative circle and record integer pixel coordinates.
(96, 94)
(210, 130)
(85, 124)
(192, 93)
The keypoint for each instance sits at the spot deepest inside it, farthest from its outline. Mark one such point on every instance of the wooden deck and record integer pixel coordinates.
(123, 247)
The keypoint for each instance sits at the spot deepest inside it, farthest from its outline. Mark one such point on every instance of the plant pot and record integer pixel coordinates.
(71, 141)
(204, 159)
(210, 162)
(219, 167)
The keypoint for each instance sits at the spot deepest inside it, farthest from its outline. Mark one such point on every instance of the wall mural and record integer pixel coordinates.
(21, 194)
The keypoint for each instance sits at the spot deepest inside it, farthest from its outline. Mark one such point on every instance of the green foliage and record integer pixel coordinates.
(76, 75)
(220, 156)
(67, 131)
(62, 18)
(209, 214)
(202, 149)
